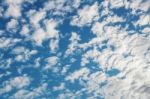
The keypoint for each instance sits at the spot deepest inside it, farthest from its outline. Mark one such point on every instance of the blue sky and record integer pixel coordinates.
(74, 49)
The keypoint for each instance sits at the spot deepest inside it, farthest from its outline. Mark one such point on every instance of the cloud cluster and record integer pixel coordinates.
(75, 49)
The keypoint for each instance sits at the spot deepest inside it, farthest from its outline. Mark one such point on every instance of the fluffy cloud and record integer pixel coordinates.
(144, 20)
(17, 82)
(141, 5)
(74, 39)
(130, 56)
(35, 93)
(8, 42)
(55, 6)
(51, 62)
(39, 36)
(36, 17)
(14, 8)
(51, 30)
(83, 72)
(25, 30)
(23, 54)
(114, 61)
(114, 19)
(86, 15)
(54, 45)
(12, 25)
(51, 33)
(117, 3)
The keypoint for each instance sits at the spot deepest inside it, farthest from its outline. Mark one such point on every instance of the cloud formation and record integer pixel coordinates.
(76, 49)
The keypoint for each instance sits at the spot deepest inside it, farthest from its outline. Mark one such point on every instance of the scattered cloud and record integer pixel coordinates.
(14, 8)
(86, 15)
(17, 82)
(113, 63)
(12, 25)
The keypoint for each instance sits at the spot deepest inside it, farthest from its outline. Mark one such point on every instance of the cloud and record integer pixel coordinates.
(144, 20)
(74, 39)
(54, 45)
(55, 6)
(20, 82)
(141, 5)
(83, 72)
(86, 15)
(114, 61)
(8, 42)
(25, 30)
(39, 36)
(16, 82)
(23, 54)
(34, 93)
(60, 87)
(51, 30)
(12, 26)
(117, 3)
(14, 8)
(36, 17)
(128, 57)
(51, 62)
(98, 28)
(114, 19)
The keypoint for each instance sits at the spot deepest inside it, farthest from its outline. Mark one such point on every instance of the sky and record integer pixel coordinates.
(74, 49)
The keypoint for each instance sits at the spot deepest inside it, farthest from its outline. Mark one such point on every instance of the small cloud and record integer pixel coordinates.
(86, 16)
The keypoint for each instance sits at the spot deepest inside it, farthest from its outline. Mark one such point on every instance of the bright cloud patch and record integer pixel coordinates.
(86, 15)
(75, 49)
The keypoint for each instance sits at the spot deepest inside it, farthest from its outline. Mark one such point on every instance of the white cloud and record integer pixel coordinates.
(55, 6)
(60, 87)
(36, 17)
(22, 53)
(14, 1)
(86, 15)
(25, 30)
(14, 8)
(130, 54)
(146, 30)
(16, 82)
(39, 36)
(65, 69)
(8, 42)
(54, 45)
(76, 3)
(135, 46)
(144, 20)
(18, 50)
(12, 25)
(114, 19)
(140, 4)
(83, 72)
(37, 62)
(98, 28)
(74, 39)
(51, 62)
(116, 3)
(20, 82)
(26, 94)
(51, 30)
